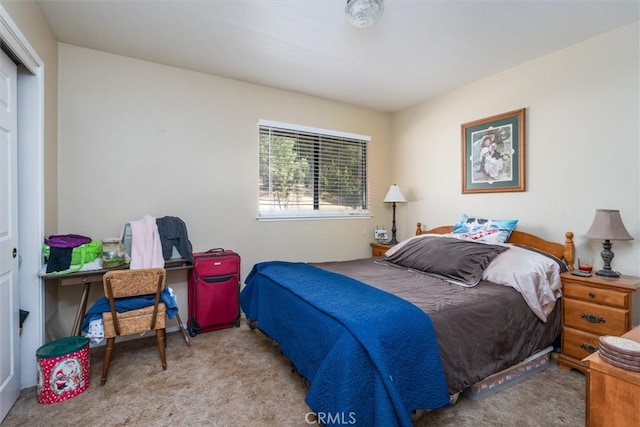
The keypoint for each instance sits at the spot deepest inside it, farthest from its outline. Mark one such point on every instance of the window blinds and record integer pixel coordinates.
(311, 173)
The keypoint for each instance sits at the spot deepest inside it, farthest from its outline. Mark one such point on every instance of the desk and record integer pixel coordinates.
(88, 277)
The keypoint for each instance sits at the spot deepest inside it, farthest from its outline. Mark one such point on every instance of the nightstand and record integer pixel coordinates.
(378, 249)
(592, 307)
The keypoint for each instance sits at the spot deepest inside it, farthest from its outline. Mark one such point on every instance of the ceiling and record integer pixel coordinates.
(417, 50)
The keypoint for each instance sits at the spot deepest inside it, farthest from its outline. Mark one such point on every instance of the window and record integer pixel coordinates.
(311, 173)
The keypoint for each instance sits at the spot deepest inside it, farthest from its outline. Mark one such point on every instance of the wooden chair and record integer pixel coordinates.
(127, 283)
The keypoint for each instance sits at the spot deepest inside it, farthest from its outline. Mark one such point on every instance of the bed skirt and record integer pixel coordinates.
(537, 362)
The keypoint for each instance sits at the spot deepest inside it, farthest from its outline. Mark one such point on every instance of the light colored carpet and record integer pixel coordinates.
(237, 377)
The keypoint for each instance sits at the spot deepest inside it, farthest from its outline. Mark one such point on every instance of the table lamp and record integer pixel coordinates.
(394, 195)
(607, 225)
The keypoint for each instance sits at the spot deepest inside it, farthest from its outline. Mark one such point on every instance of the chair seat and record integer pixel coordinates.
(134, 321)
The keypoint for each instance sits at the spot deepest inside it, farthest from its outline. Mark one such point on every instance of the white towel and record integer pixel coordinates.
(146, 249)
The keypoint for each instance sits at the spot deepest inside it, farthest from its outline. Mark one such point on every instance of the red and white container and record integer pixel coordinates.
(63, 369)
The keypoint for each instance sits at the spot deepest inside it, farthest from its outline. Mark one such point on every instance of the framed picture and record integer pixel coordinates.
(493, 154)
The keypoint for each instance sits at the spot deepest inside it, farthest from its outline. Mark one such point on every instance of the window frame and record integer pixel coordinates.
(316, 213)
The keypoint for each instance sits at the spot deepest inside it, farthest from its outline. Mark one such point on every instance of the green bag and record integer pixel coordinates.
(80, 255)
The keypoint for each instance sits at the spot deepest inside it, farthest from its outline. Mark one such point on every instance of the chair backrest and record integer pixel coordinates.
(130, 283)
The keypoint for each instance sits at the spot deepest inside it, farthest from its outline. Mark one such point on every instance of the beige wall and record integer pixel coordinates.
(140, 138)
(583, 146)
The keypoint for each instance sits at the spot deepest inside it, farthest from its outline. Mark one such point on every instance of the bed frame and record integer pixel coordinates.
(564, 251)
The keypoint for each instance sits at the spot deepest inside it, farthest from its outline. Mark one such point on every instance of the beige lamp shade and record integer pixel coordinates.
(607, 225)
(394, 195)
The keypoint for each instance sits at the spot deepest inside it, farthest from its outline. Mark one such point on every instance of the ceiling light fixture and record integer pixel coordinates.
(363, 13)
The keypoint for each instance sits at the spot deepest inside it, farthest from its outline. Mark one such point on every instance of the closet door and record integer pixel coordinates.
(9, 287)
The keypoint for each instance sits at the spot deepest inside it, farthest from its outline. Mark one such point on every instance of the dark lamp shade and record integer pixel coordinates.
(394, 195)
(607, 225)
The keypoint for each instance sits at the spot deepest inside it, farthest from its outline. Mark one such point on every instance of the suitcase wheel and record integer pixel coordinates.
(192, 332)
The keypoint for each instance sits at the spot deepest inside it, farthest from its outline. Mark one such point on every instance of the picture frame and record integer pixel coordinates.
(493, 154)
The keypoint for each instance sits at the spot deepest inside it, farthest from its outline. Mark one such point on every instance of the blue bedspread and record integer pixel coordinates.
(371, 357)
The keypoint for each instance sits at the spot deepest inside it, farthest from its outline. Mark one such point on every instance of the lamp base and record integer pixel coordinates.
(608, 273)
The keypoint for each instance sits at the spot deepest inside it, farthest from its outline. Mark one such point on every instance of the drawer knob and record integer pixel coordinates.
(589, 348)
(593, 319)
(592, 295)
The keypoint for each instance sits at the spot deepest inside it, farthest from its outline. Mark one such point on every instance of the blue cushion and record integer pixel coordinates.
(485, 230)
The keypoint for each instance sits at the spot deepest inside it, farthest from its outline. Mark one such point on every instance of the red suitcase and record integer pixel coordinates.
(214, 291)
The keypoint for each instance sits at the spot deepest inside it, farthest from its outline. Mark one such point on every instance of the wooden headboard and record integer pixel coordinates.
(564, 251)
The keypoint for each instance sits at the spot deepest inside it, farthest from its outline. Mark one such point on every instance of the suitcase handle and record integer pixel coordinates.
(214, 250)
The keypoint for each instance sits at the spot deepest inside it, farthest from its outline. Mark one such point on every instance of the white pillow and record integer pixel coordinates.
(535, 276)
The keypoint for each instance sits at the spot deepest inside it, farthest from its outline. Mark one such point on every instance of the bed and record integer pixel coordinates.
(381, 338)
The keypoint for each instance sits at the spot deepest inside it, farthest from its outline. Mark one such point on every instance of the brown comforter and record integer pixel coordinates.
(481, 330)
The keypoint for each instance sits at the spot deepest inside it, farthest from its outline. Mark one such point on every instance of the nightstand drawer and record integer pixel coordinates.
(379, 249)
(378, 252)
(595, 295)
(598, 319)
(579, 344)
